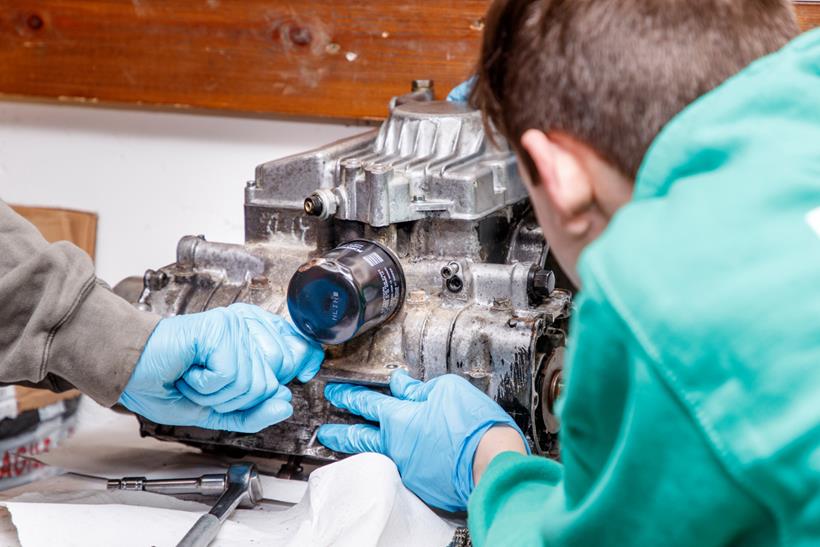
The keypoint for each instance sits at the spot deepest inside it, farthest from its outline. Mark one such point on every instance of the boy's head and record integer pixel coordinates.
(581, 88)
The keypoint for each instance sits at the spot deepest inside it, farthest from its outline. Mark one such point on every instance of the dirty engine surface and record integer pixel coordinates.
(480, 299)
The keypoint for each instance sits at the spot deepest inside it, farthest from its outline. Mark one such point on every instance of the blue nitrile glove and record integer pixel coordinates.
(281, 354)
(236, 352)
(430, 429)
(461, 92)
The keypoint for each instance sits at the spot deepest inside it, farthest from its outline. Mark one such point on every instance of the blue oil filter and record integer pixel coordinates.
(353, 288)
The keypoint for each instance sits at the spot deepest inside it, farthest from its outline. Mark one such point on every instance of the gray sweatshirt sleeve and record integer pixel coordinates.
(58, 322)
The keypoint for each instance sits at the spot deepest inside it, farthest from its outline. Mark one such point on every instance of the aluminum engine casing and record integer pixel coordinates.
(430, 185)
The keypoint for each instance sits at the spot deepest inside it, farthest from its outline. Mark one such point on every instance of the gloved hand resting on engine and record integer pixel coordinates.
(461, 92)
(221, 369)
(431, 430)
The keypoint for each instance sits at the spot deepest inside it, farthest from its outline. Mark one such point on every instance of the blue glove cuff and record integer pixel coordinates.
(461, 93)
(463, 470)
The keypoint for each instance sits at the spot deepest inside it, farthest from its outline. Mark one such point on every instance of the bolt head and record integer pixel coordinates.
(455, 284)
(543, 282)
(415, 85)
(155, 280)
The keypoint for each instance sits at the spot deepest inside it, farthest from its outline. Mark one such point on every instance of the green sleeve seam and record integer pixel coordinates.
(706, 429)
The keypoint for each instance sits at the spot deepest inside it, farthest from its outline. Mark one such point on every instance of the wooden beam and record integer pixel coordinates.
(808, 14)
(337, 58)
(323, 58)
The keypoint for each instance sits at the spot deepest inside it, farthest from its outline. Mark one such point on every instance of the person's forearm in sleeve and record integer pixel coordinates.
(637, 470)
(58, 319)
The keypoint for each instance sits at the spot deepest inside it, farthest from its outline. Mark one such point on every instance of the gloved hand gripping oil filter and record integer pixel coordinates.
(354, 288)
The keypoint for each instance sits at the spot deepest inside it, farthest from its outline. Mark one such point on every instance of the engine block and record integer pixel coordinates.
(480, 300)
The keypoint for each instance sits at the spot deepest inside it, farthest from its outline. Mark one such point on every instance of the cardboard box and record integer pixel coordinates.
(80, 228)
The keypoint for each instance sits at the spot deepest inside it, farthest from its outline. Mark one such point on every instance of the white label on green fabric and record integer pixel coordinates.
(813, 219)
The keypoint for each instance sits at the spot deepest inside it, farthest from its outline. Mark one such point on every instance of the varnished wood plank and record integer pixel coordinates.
(325, 58)
(312, 57)
(808, 14)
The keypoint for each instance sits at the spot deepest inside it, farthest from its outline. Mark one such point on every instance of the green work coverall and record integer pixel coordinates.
(692, 409)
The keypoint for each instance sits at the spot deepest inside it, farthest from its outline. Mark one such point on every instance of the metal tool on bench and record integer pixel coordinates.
(239, 487)
(206, 485)
(242, 489)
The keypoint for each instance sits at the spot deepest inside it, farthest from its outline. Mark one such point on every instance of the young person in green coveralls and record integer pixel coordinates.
(672, 154)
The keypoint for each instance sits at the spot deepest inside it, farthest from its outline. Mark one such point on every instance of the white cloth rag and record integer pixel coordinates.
(358, 502)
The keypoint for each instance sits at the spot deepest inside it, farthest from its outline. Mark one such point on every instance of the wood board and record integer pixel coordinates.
(341, 59)
(314, 58)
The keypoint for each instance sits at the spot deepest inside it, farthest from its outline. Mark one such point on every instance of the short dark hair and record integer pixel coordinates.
(612, 73)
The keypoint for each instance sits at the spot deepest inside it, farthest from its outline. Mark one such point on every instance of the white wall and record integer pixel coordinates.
(152, 177)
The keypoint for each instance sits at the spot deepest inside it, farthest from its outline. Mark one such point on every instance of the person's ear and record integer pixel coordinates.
(561, 170)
